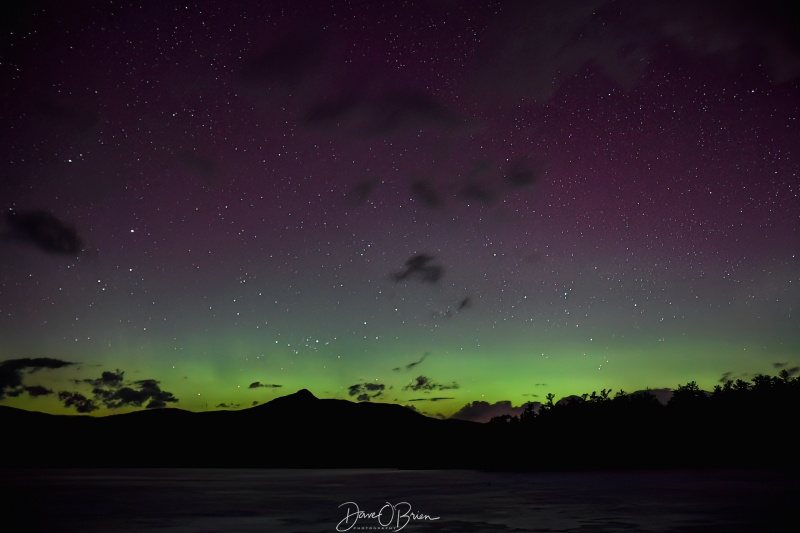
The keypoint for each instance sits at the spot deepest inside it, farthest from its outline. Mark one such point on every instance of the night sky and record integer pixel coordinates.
(210, 205)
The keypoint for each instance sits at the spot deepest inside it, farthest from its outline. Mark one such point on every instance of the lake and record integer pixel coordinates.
(220, 500)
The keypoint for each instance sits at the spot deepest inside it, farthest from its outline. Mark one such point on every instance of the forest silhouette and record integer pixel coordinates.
(739, 424)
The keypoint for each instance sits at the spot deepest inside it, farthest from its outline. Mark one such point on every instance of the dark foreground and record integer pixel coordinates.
(742, 428)
(252, 500)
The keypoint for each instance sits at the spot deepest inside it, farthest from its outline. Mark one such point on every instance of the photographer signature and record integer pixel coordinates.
(390, 517)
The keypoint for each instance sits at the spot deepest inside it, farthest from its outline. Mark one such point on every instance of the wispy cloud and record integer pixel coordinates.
(11, 375)
(111, 390)
(480, 411)
(423, 383)
(259, 385)
(365, 392)
(410, 366)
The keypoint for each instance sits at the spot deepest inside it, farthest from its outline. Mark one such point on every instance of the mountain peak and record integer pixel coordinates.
(304, 394)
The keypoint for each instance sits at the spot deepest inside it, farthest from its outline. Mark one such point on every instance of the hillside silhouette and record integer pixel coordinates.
(738, 424)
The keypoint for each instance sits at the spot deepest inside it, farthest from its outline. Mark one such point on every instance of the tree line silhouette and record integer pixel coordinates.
(737, 424)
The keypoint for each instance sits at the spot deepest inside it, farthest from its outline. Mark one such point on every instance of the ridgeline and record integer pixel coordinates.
(739, 424)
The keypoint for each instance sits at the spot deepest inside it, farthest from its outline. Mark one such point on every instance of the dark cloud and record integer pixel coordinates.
(424, 192)
(37, 390)
(77, 400)
(473, 184)
(739, 33)
(258, 385)
(478, 192)
(731, 376)
(553, 41)
(412, 108)
(461, 305)
(420, 267)
(107, 379)
(335, 111)
(480, 411)
(476, 185)
(45, 231)
(793, 371)
(383, 113)
(145, 392)
(158, 398)
(432, 399)
(423, 383)
(366, 391)
(11, 372)
(520, 175)
(413, 364)
(361, 191)
(227, 406)
(110, 390)
(556, 40)
(123, 396)
(289, 62)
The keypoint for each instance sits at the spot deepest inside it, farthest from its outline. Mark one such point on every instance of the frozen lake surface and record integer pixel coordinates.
(212, 500)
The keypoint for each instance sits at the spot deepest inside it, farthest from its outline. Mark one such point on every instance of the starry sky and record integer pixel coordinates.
(454, 206)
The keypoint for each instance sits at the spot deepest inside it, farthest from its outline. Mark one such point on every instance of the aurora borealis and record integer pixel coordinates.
(424, 203)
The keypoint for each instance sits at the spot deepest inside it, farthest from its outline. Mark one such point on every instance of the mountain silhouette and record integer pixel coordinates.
(738, 425)
(298, 430)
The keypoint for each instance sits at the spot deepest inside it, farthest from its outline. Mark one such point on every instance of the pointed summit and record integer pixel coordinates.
(304, 394)
(290, 404)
